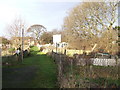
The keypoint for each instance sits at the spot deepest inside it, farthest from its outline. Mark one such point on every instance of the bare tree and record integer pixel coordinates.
(86, 23)
(108, 41)
(14, 30)
(36, 31)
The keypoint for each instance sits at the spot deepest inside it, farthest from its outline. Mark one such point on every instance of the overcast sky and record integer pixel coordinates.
(48, 14)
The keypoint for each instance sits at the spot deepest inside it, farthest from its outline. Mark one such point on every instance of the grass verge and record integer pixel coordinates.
(45, 72)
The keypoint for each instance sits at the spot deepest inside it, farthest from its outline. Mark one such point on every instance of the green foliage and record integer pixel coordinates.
(25, 53)
(11, 50)
(99, 80)
(31, 46)
(9, 59)
(34, 48)
(113, 82)
(118, 28)
(46, 37)
(41, 48)
(108, 82)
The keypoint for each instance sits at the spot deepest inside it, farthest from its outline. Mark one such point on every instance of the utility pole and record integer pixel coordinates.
(56, 47)
(22, 44)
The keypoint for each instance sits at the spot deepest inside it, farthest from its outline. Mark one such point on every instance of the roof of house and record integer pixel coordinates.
(25, 38)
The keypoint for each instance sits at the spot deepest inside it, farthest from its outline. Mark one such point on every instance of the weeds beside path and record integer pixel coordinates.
(36, 71)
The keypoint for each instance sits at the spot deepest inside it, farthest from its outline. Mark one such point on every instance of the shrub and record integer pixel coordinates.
(31, 46)
(25, 53)
(11, 50)
(41, 49)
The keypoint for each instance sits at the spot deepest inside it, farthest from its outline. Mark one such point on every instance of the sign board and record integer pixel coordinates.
(57, 38)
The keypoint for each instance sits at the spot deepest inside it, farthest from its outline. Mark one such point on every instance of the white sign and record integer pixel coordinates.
(57, 38)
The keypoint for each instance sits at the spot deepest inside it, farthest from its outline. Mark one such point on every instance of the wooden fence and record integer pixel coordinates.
(66, 64)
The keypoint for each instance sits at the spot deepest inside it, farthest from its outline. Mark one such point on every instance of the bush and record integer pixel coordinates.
(25, 53)
(41, 49)
(11, 50)
(31, 46)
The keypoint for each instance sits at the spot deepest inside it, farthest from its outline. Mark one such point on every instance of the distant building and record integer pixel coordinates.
(17, 41)
(61, 44)
(56, 38)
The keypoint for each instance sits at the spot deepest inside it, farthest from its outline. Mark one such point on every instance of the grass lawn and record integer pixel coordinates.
(46, 71)
(36, 71)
